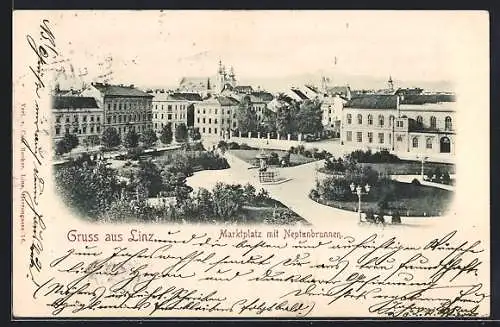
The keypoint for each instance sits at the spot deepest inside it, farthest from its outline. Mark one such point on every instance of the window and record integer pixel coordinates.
(169, 116)
(381, 120)
(109, 106)
(360, 119)
(67, 119)
(399, 123)
(198, 120)
(447, 123)
(170, 108)
(120, 106)
(203, 129)
(370, 137)
(349, 136)
(329, 119)
(234, 124)
(428, 143)
(114, 119)
(329, 111)
(91, 118)
(210, 130)
(198, 111)
(84, 129)
(370, 120)
(75, 118)
(391, 120)
(120, 118)
(433, 122)
(209, 120)
(203, 120)
(58, 119)
(91, 129)
(109, 120)
(98, 129)
(216, 111)
(67, 130)
(415, 142)
(84, 118)
(215, 121)
(359, 137)
(229, 112)
(161, 116)
(215, 130)
(156, 116)
(380, 138)
(349, 118)
(58, 130)
(156, 106)
(222, 121)
(114, 106)
(420, 120)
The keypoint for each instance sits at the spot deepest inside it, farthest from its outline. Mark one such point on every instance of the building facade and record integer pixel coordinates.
(169, 108)
(77, 115)
(124, 107)
(216, 117)
(389, 122)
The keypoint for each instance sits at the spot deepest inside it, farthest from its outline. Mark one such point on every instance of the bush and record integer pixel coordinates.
(292, 150)
(274, 158)
(396, 218)
(307, 153)
(415, 182)
(369, 157)
(300, 149)
(233, 146)
(313, 194)
(370, 217)
(245, 146)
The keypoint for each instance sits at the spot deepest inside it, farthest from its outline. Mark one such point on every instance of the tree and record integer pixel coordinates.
(190, 115)
(246, 116)
(194, 133)
(309, 118)
(181, 133)
(148, 138)
(131, 139)
(268, 123)
(91, 140)
(110, 138)
(227, 200)
(88, 188)
(148, 176)
(67, 143)
(166, 134)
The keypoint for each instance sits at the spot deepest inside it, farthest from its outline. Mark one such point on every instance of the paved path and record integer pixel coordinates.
(295, 194)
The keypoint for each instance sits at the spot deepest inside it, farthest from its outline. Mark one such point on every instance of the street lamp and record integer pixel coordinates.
(358, 190)
(422, 159)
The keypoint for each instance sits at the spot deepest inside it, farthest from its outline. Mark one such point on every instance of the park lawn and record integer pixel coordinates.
(424, 201)
(250, 156)
(404, 167)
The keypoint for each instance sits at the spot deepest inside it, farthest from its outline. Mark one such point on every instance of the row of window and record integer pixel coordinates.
(204, 121)
(169, 107)
(128, 118)
(359, 137)
(428, 142)
(128, 105)
(140, 128)
(204, 111)
(209, 130)
(169, 116)
(76, 118)
(77, 130)
(381, 121)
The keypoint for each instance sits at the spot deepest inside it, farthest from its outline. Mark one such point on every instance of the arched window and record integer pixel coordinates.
(433, 122)
(415, 142)
(420, 120)
(360, 119)
(349, 118)
(447, 123)
(444, 145)
(428, 143)
(381, 120)
(391, 120)
(370, 120)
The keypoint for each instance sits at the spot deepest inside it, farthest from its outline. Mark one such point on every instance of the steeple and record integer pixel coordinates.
(231, 73)
(221, 68)
(390, 82)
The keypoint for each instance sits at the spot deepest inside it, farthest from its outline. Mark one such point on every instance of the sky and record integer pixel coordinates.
(158, 48)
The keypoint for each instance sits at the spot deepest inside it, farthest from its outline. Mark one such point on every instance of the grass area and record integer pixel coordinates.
(250, 156)
(404, 168)
(411, 200)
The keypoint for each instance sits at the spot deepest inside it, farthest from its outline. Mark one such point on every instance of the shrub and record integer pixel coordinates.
(233, 146)
(307, 153)
(300, 149)
(396, 218)
(313, 194)
(245, 146)
(292, 150)
(415, 182)
(369, 157)
(274, 158)
(370, 217)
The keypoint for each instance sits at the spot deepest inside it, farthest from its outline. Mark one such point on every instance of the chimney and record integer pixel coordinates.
(132, 85)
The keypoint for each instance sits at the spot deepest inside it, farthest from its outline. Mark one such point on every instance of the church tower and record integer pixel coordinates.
(390, 83)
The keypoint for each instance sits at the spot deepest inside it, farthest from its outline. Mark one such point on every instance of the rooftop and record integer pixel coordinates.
(427, 98)
(73, 102)
(375, 101)
(120, 90)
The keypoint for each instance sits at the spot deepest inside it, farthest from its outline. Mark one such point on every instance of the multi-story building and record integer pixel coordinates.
(169, 108)
(216, 116)
(125, 107)
(76, 115)
(416, 124)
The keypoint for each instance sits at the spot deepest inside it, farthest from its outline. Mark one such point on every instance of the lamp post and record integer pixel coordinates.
(358, 190)
(422, 160)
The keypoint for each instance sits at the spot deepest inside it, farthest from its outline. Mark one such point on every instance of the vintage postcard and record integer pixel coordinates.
(250, 164)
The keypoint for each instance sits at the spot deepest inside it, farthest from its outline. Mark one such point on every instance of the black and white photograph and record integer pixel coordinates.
(229, 164)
